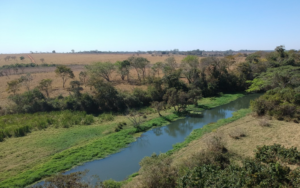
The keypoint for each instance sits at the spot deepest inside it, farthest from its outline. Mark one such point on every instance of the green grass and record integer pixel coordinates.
(64, 148)
(96, 149)
(212, 102)
(18, 125)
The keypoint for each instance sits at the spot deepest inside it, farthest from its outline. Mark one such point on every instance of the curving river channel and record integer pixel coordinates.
(159, 140)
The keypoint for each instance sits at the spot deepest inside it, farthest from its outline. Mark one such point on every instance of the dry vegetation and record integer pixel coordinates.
(280, 132)
(79, 59)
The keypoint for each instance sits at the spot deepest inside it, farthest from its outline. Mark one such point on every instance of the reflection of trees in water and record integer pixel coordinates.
(182, 127)
(142, 141)
(157, 131)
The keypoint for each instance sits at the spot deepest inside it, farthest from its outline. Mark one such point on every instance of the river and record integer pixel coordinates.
(120, 165)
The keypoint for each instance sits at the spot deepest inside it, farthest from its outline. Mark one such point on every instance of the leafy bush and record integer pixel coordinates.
(270, 154)
(107, 117)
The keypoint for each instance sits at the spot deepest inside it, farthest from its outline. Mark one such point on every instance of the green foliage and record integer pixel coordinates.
(21, 124)
(282, 77)
(46, 86)
(64, 72)
(107, 117)
(270, 154)
(123, 68)
(281, 103)
(13, 86)
(19, 65)
(139, 64)
(101, 69)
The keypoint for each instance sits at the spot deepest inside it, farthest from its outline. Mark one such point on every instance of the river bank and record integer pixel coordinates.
(78, 144)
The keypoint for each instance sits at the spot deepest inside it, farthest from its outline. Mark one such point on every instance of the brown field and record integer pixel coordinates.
(79, 59)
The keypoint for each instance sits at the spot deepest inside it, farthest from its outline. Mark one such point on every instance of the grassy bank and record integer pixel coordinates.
(35, 156)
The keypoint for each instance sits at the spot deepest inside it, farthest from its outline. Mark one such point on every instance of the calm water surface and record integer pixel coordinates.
(159, 140)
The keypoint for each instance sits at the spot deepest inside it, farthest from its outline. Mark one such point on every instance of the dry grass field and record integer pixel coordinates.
(79, 59)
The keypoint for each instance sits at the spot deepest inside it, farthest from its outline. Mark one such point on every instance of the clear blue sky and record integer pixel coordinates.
(119, 25)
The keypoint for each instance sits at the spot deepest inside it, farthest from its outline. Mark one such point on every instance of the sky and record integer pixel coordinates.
(132, 25)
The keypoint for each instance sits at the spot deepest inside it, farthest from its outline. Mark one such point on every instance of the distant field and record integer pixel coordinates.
(82, 59)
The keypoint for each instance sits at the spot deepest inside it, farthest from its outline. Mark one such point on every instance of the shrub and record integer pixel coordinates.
(215, 143)
(107, 117)
(264, 122)
(237, 133)
(270, 154)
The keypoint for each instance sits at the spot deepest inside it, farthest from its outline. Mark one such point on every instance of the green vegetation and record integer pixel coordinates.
(20, 124)
(270, 154)
(95, 145)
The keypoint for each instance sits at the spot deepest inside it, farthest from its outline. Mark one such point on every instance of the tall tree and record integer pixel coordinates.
(139, 64)
(46, 86)
(156, 68)
(83, 77)
(123, 68)
(64, 72)
(169, 66)
(102, 69)
(189, 66)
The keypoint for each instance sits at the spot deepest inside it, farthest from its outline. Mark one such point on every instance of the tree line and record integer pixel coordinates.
(169, 84)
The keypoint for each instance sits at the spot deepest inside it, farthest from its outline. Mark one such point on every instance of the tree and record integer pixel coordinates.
(195, 94)
(83, 77)
(280, 50)
(22, 58)
(13, 86)
(64, 72)
(53, 51)
(157, 67)
(158, 106)
(139, 64)
(76, 87)
(73, 51)
(189, 66)
(169, 66)
(102, 69)
(123, 68)
(46, 86)
(26, 80)
(279, 77)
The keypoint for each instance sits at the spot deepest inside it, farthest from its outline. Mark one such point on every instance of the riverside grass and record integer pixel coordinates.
(96, 148)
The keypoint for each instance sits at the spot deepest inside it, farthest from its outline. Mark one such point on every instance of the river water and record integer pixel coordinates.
(120, 165)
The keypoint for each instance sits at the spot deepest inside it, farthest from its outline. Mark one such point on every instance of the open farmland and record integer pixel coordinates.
(79, 59)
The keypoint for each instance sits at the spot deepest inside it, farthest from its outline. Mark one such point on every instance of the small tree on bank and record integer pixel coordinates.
(64, 72)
